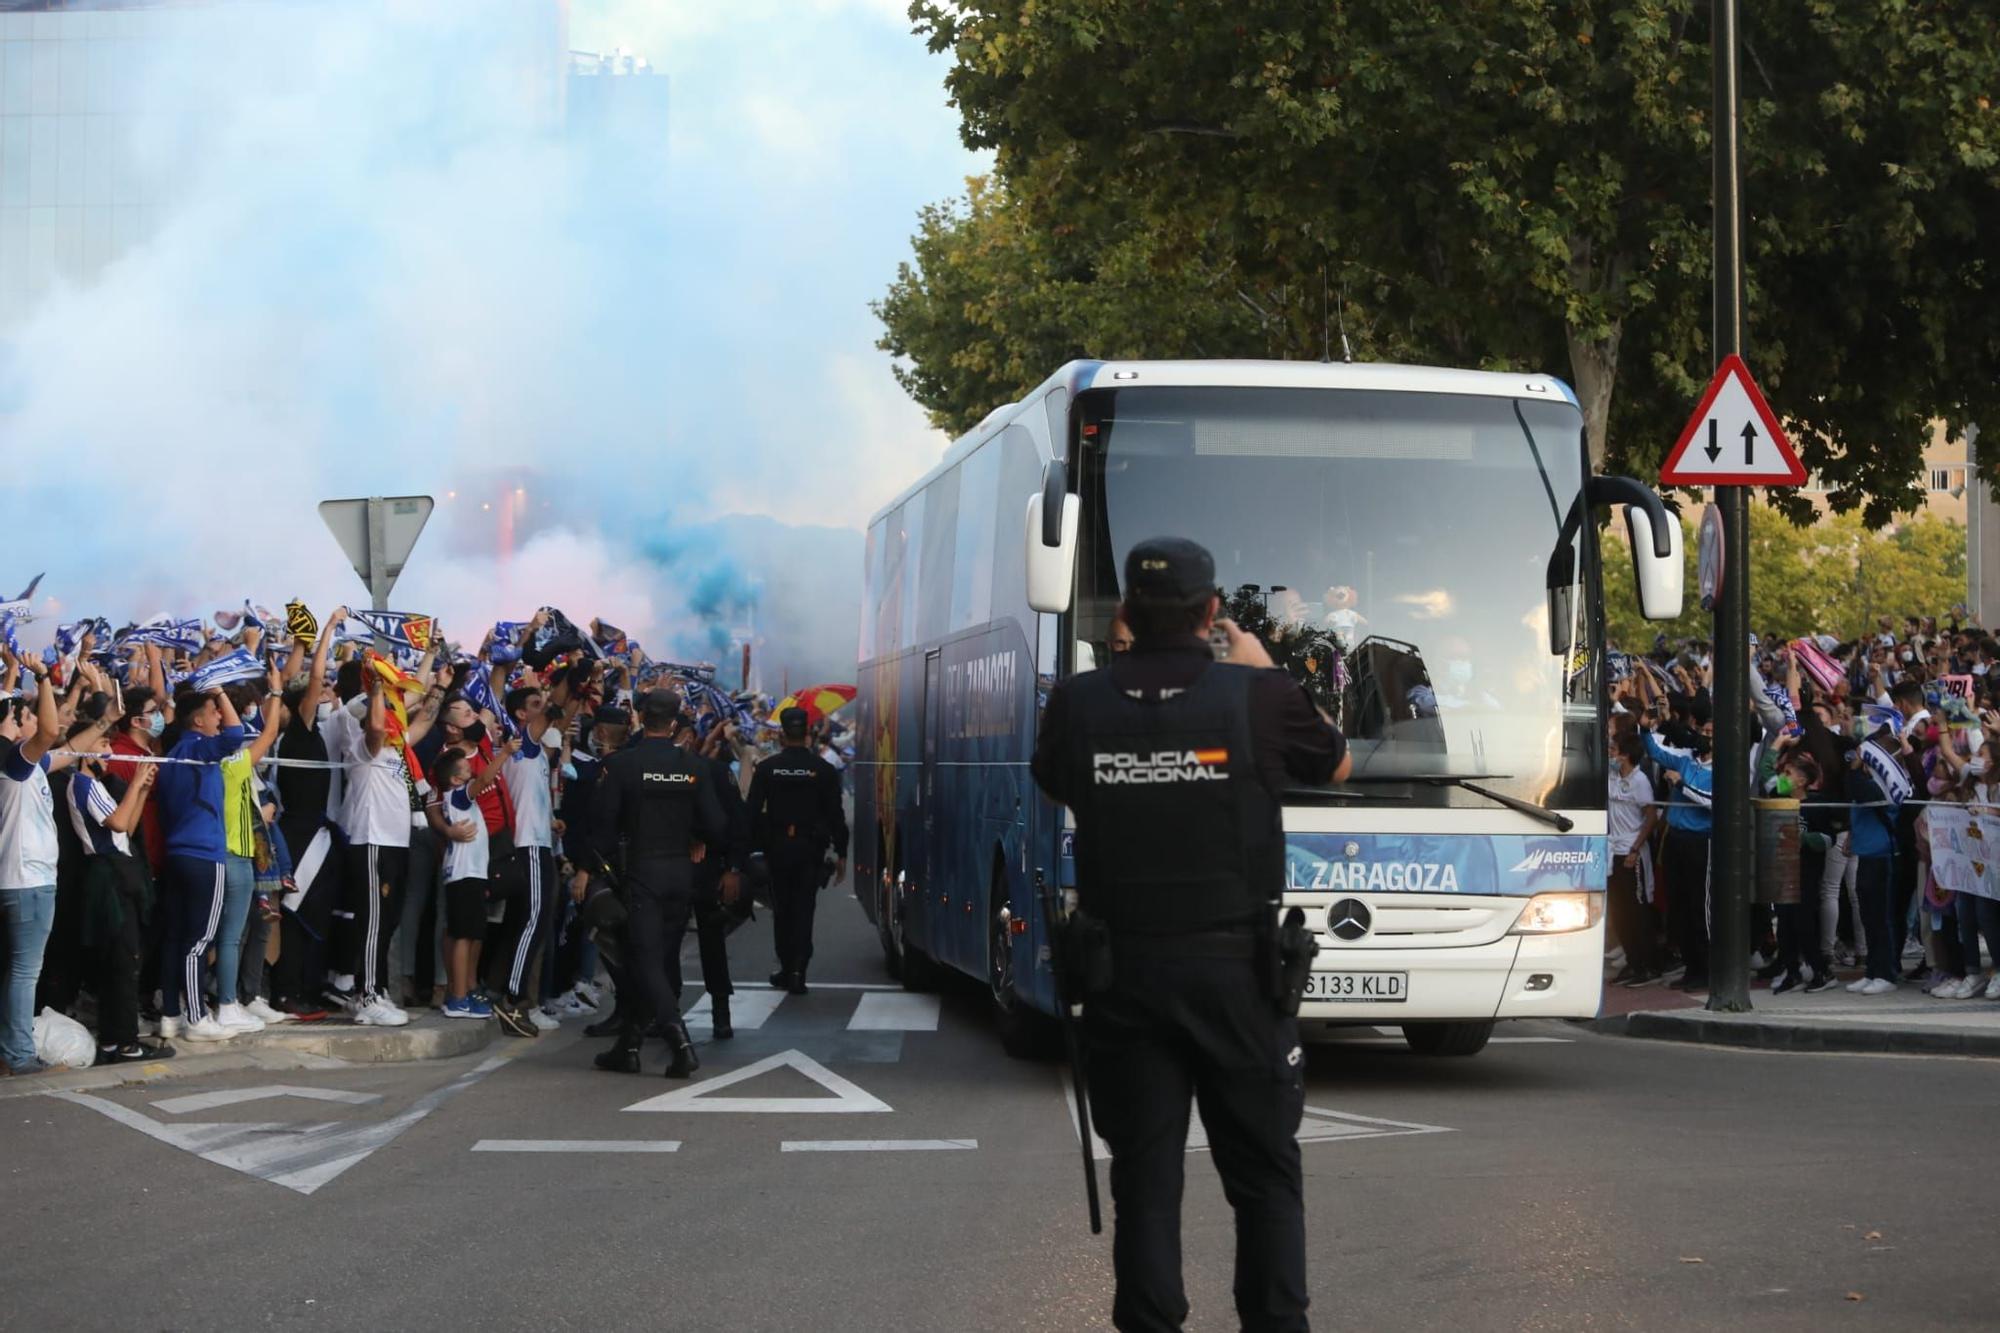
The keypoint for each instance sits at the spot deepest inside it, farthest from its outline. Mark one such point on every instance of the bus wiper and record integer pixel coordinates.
(1340, 794)
(1560, 822)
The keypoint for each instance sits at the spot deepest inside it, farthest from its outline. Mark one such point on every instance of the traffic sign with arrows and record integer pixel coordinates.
(1733, 439)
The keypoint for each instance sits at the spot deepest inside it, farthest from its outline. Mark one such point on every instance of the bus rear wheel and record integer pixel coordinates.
(1447, 1038)
(1024, 1033)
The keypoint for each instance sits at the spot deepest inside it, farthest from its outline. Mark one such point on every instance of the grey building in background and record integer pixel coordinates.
(84, 176)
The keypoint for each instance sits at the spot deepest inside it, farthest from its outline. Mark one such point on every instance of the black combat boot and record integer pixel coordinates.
(718, 1006)
(622, 1058)
(781, 980)
(685, 1061)
(797, 982)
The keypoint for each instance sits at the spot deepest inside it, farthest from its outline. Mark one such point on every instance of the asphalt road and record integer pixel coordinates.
(1568, 1181)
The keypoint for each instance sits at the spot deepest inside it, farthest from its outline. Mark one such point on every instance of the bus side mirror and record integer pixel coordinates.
(1052, 522)
(1658, 578)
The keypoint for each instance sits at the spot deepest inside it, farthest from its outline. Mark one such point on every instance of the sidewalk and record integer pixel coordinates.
(327, 1044)
(1907, 1022)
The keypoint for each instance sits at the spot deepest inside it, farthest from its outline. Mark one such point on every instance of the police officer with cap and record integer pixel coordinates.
(661, 803)
(795, 815)
(1175, 765)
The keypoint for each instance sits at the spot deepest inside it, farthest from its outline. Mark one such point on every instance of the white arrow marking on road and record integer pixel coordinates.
(207, 1101)
(877, 1145)
(299, 1157)
(847, 1097)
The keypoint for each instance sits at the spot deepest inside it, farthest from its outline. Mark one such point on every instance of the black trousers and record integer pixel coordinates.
(659, 895)
(374, 884)
(526, 882)
(115, 966)
(794, 898)
(1686, 873)
(1176, 1029)
(305, 933)
(1798, 923)
(711, 927)
(1631, 919)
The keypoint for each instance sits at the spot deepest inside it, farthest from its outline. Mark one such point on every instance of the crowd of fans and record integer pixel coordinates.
(1869, 737)
(206, 829)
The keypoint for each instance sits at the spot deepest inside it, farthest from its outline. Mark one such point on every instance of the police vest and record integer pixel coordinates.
(1170, 812)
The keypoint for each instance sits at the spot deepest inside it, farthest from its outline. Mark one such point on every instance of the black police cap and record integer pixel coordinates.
(794, 721)
(1169, 570)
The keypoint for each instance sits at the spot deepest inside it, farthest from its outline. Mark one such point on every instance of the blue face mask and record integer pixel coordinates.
(156, 723)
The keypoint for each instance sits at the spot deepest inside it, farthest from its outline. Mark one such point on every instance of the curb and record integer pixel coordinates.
(328, 1045)
(423, 1039)
(1708, 1029)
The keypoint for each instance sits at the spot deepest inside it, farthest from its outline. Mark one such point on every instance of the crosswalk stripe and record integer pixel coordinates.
(900, 1012)
(877, 1145)
(577, 1145)
(748, 1009)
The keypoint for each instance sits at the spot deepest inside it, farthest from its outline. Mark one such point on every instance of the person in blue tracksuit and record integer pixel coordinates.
(189, 797)
(1690, 826)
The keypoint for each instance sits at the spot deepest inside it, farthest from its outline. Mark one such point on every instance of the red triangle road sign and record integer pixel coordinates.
(1733, 439)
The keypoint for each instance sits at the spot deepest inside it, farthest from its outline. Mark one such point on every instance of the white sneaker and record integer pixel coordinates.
(206, 1030)
(1970, 988)
(385, 1003)
(379, 1013)
(1879, 986)
(543, 1020)
(1757, 960)
(592, 995)
(261, 1008)
(574, 1006)
(1993, 986)
(1857, 987)
(170, 1027)
(238, 1019)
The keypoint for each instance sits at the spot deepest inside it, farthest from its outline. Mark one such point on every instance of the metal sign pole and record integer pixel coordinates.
(1733, 852)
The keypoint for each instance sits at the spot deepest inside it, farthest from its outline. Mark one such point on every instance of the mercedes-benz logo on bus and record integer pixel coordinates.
(1349, 919)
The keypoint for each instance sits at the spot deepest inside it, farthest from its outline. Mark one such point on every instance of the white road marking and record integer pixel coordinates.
(1337, 1042)
(577, 1145)
(1318, 1125)
(847, 1096)
(748, 1010)
(208, 1101)
(901, 1012)
(299, 1157)
(877, 1145)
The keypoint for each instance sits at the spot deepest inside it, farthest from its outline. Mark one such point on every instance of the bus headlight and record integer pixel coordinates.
(1559, 913)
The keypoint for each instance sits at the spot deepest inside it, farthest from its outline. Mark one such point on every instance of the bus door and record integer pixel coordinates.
(932, 860)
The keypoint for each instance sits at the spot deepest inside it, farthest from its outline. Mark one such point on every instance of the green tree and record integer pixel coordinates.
(1501, 183)
(1834, 577)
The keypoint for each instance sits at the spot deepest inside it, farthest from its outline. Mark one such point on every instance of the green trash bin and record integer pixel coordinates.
(1777, 837)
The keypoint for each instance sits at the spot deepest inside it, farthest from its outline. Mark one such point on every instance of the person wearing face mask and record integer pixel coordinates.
(305, 797)
(1632, 814)
(240, 816)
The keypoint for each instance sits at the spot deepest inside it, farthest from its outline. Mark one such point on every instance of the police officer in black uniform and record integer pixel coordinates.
(795, 815)
(1174, 765)
(660, 801)
(718, 881)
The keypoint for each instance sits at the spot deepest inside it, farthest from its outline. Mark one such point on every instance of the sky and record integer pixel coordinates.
(371, 272)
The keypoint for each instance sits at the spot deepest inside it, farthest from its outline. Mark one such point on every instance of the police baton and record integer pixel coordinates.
(1078, 1080)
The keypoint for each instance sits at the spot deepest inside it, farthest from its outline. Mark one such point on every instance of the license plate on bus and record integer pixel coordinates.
(1373, 987)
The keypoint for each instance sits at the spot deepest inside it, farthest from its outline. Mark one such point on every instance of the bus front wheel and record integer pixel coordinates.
(1447, 1038)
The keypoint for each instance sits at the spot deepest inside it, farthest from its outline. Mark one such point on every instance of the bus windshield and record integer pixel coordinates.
(1395, 548)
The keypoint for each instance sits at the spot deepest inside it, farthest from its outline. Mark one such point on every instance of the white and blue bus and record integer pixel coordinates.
(1433, 525)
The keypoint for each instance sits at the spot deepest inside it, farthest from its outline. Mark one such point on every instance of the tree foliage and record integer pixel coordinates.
(1496, 183)
(1836, 576)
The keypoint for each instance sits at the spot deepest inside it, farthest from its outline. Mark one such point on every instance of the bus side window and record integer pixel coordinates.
(1020, 477)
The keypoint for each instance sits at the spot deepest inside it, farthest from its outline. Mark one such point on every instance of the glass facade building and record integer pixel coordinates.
(74, 190)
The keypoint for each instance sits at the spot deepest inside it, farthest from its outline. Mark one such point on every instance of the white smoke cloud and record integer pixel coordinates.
(380, 264)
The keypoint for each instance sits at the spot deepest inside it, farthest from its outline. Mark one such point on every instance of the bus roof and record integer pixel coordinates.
(1079, 376)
